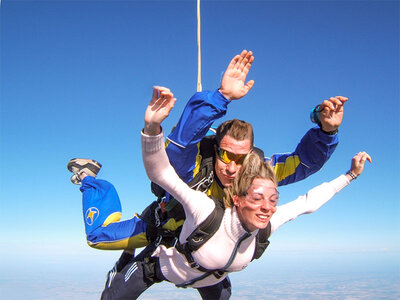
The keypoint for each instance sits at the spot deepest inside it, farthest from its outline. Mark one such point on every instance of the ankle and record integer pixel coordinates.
(82, 175)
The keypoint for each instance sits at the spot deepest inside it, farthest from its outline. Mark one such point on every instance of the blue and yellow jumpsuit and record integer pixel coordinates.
(101, 204)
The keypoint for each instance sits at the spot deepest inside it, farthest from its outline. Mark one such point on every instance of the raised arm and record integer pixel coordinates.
(319, 195)
(202, 110)
(156, 162)
(315, 148)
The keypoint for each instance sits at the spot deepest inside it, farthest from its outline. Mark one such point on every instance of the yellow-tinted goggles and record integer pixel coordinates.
(227, 156)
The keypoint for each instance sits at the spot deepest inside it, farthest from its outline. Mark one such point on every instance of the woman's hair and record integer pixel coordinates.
(237, 129)
(253, 167)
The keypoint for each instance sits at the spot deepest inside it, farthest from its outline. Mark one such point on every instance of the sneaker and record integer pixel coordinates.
(82, 165)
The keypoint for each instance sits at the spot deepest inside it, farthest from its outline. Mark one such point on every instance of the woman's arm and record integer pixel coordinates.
(319, 195)
(156, 162)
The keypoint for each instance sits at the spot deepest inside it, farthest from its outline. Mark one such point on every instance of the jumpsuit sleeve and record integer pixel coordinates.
(314, 149)
(199, 114)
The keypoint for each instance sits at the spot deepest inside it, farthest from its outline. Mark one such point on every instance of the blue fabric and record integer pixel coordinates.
(204, 108)
(201, 111)
(99, 200)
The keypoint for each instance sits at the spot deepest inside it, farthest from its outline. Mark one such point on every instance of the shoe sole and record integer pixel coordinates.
(82, 163)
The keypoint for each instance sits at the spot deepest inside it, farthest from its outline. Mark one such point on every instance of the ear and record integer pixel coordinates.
(235, 200)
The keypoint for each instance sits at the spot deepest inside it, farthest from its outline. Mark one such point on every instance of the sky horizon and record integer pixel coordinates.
(76, 77)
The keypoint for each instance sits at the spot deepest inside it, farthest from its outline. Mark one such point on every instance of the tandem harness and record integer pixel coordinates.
(154, 216)
(205, 231)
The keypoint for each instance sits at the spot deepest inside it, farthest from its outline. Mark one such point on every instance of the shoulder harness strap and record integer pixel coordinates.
(201, 235)
(262, 241)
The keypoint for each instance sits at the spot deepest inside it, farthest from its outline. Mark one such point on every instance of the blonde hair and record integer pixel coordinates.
(253, 167)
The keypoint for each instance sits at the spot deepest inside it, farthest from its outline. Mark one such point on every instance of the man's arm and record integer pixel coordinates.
(202, 110)
(315, 148)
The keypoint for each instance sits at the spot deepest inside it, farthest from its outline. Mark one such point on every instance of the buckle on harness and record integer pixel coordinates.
(194, 264)
(158, 241)
(157, 216)
(218, 274)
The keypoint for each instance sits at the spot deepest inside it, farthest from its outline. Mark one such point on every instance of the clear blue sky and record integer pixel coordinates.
(76, 77)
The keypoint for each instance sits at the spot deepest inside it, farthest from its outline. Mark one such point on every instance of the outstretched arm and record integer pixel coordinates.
(319, 195)
(315, 148)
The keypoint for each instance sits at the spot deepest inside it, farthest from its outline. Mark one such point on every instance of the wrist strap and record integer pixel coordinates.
(352, 175)
(328, 132)
(314, 115)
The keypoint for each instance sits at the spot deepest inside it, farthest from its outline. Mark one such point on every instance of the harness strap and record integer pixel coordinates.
(217, 273)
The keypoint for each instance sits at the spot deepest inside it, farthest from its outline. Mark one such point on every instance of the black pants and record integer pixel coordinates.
(220, 291)
(142, 272)
(136, 277)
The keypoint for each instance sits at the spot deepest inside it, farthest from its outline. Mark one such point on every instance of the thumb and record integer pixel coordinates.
(249, 85)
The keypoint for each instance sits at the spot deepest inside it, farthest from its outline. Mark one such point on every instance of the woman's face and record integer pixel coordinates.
(257, 207)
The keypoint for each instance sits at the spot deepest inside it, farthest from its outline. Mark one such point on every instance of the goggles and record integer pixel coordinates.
(257, 199)
(228, 157)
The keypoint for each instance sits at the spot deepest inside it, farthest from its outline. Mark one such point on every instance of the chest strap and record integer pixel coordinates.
(218, 273)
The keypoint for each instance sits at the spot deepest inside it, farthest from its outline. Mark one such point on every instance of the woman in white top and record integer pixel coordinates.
(250, 205)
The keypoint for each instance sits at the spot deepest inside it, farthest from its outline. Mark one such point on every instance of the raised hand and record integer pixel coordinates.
(233, 84)
(357, 164)
(331, 113)
(158, 109)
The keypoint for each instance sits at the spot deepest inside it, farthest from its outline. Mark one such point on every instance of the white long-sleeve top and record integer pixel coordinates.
(215, 253)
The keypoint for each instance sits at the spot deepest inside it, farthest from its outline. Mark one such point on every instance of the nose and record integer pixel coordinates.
(231, 168)
(268, 206)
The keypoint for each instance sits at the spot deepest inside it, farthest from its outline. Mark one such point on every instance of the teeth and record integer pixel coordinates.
(263, 217)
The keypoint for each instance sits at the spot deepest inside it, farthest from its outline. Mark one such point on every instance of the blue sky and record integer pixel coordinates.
(76, 77)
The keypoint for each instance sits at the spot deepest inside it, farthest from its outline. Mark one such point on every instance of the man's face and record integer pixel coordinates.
(226, 172)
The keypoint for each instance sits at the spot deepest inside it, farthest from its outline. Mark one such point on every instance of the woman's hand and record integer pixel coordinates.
(158, 109)
(357, 165)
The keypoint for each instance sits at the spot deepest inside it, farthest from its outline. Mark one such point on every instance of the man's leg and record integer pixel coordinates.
(102, 210)
(220, 291)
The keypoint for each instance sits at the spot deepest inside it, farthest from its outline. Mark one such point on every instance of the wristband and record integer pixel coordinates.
(328, 132)
(352, 175)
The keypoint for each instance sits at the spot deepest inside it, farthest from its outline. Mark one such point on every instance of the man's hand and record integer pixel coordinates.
(233, 85)
(331, 113)
(158, 109)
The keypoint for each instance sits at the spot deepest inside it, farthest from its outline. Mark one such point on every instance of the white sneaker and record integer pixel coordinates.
(82, 165)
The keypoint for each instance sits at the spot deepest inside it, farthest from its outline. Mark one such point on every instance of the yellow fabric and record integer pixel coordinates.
(137, 241)
(287, 168)
(114, 217)
(198, 162)
(172, 224)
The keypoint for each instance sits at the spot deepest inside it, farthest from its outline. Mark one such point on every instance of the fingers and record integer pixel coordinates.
(358, 162)
(242, 62)
(162, 97)
(249, 85)
(334, 103)
(343, 99)
(363, 156)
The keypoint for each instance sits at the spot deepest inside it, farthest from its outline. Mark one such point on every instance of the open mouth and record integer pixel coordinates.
(263, 218)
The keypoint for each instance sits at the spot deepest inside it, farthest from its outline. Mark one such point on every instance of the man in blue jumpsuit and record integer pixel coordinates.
(101, 205)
